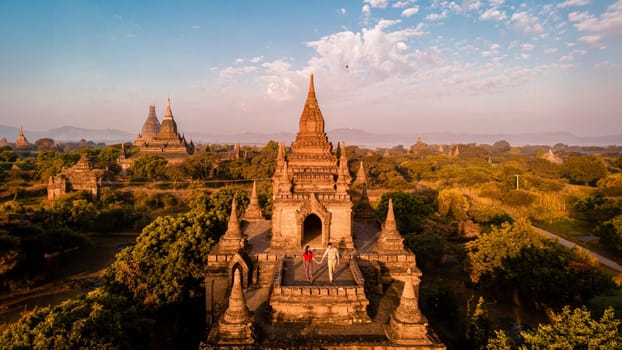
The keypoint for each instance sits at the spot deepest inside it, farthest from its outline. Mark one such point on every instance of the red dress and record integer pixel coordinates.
(308, 264)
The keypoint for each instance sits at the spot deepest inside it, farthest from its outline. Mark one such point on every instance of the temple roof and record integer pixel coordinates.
(151, 127)
(311, 119)
(168, 129)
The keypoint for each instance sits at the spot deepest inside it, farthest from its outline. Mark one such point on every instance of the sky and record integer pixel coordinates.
(385, 66)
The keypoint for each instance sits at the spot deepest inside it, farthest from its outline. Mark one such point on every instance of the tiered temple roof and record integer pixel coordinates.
(163, 138)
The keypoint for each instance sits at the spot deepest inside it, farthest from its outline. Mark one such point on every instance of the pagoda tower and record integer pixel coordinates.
(236, 325)
(231, 242)
(311, 187)
(163, 138)
(361, 178)
(168, 128)
(407, 326)
(22, 142)
(253, 211)
(389, 239)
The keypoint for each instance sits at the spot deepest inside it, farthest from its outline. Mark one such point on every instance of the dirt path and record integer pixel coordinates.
(69, 276)
(601, 259)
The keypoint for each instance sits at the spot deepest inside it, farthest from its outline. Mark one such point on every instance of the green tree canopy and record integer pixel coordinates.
(576, 329)
(97, 320)
(585, 170)
(517, 258)
(166, 265)
(453, 202)
(410, 210)
(149, 166)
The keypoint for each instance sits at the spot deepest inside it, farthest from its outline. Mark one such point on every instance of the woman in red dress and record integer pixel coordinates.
(307, 260)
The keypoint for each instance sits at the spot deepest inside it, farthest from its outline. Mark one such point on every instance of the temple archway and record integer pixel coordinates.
(312, 231)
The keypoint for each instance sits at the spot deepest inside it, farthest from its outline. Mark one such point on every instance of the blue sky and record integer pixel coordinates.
(470, 66)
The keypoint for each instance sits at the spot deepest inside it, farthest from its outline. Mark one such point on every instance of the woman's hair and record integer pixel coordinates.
(307, 249)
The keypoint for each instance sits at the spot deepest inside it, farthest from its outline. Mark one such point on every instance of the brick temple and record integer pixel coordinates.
(257, 295)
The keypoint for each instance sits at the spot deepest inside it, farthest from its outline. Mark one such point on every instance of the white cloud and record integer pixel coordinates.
(566, 58)
(410, 11)
(402, 4)
(550, 50)
(496, 3)
(277, 66)
(608, 65)
(569, 3)
(436, 16)
(527, 47)
(590, 39)
(493, 14)
(609, 23)
(239, 60)
(377, 3)
(341, 11)
(492, 51)
(256, 59)
(231, 72)
(373, 53)
(526, 23)
(366, 10)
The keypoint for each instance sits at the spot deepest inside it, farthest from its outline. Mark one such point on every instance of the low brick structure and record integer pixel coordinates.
(80, 177)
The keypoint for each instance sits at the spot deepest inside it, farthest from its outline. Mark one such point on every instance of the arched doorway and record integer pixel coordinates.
(312, 231)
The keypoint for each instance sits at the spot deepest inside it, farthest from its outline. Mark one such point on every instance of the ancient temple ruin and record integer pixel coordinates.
(258, 265)
(80, 177)
(163, 139)
(22, 142)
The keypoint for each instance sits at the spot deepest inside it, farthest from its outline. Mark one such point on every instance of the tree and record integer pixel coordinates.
(585, 170)
(97, 320)
(576, 329)
(149, 166)
(166, 265)
(500, 341)
(453, 202)
(516, 258)
(610, 233)
(49, 163)
(479, 325)
(410, 210)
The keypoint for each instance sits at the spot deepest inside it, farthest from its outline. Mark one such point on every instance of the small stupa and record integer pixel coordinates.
(233, 239)
(236, 325)
(407, 326)
(389, 238)
(253, 212)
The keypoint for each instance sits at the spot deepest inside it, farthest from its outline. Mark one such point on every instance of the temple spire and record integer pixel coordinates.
(361, 178)
(236, 325)
(407, 326)
(389, 238)
(311, 93)
(389, 223)
(168, 113)
(233, 239)
(253, 211)
(233, 227)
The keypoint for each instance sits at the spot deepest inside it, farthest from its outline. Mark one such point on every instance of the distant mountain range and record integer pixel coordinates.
(349, 136)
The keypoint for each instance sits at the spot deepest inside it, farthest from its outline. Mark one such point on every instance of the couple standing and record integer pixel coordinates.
(331, 253)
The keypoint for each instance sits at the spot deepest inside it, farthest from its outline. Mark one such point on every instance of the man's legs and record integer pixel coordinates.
(331, 269)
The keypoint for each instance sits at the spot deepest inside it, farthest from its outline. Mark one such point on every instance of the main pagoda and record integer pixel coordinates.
(311, 187)
(163, 138)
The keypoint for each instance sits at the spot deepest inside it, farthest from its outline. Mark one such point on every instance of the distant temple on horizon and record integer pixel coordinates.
(163, 139)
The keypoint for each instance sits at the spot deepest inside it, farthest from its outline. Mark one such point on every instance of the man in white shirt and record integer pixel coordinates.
(332, 254)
